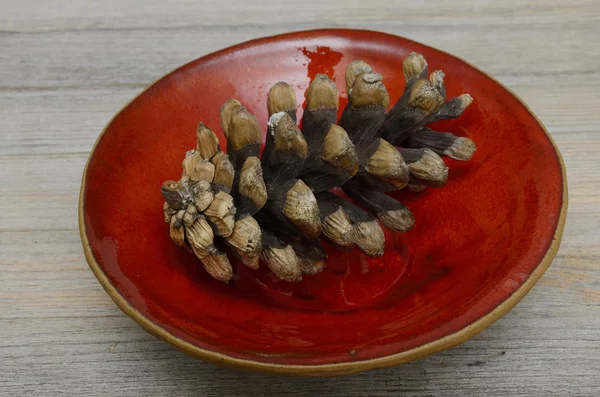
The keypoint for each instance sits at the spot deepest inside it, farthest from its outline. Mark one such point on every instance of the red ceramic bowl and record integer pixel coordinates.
(479, 243)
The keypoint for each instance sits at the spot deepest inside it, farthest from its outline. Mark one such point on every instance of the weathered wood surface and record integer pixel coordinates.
(66, 67)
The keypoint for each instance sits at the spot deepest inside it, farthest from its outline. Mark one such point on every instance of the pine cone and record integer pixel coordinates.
(275, 207)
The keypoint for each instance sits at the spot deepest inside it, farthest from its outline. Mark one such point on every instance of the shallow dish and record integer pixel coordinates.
(479, 244)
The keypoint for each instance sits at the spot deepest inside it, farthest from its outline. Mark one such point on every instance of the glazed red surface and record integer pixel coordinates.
(475, 241)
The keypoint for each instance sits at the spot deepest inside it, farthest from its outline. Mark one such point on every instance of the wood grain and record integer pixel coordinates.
(67, 66)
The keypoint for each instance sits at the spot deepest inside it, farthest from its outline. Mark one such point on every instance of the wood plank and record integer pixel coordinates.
(32, 15)
(68, 66)
(74, 59)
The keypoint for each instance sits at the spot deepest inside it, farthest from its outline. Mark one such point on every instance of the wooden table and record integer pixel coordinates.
(67, 66)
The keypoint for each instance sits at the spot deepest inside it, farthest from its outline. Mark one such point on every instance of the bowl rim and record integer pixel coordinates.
(331, 369)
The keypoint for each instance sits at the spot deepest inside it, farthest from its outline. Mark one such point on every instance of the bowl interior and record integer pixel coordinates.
(475, 242)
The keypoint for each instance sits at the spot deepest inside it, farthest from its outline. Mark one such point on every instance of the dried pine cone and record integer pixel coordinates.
(275, 207)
